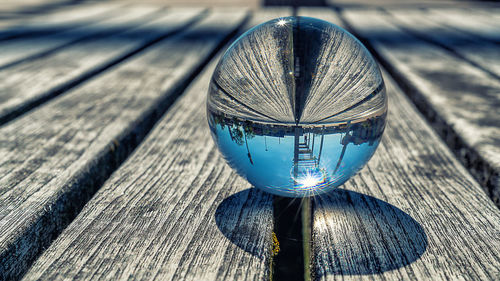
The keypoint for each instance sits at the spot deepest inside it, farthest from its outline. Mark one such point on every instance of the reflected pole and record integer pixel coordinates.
(248, 150)
(321, 143)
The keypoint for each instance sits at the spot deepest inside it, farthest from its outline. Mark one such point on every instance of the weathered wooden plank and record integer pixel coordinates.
(420, 4)
(59, 20)
(482, 53)
(482, 26)
(173, 211)
(16, 7)
(54, 73)
(25, 48)
(491, 14)
(459, 99)
(413, 212)
(53, 159)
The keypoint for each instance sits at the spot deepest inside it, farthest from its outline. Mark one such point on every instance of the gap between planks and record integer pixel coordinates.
(56, 73)
(457, 98)
(431, 221)
(203, 222)
(54, 22)
(30, 47)
(55, 157)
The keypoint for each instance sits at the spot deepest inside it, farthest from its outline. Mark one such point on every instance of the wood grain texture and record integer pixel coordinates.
(56, 21)
(30, 6)
(458, 98)
(54, 158)
(30, 47)
(479, 52)
(413, 213)
(471, 21)
(33, 82)
(490, 14)
(173, 211)
(370, 4)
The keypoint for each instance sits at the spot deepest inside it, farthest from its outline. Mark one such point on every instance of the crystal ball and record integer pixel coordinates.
(297, 106)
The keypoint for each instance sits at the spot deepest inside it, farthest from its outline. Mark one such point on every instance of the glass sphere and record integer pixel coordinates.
(297, 106)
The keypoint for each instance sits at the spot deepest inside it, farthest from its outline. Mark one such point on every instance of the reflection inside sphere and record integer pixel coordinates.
(297, 106)
(296, 161)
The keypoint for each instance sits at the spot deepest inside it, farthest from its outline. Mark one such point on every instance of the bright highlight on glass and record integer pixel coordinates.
(297, 106)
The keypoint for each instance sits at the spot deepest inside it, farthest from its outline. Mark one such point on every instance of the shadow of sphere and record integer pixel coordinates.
(356, 234)
(246, 219)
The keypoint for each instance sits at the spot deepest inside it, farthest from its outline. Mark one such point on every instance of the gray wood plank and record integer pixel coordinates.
(59, 20)
(25, 48)
(173, 211)
(479, 52)
(56, 72)
(20, 7)
(53, 159)
(459, 99)
(23, 5)
(416, 4)
(491, 14)
(469, 21)
(413, 213)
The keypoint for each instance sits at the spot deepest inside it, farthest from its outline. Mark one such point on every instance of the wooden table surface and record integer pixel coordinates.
(108, 170)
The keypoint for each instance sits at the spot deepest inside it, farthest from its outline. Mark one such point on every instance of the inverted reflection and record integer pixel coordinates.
(292, 160)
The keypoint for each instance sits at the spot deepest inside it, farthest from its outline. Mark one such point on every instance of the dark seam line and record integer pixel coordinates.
(85, 37)
(28, 106)
(481, 169)
(468, 32)
(55, 30)
(442, 45)
(112, 160)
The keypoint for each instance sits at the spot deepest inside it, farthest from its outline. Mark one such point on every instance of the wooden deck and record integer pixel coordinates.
(108, 170)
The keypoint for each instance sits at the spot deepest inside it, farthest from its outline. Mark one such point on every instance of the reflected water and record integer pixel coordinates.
(293, 160)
